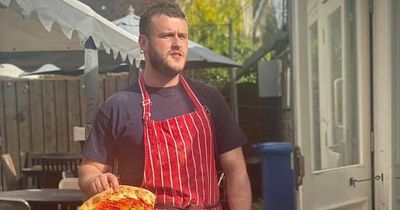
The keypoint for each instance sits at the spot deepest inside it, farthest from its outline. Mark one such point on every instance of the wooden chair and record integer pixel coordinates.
(32, 159)
(56, 167)
(12, 181)
(14, 204)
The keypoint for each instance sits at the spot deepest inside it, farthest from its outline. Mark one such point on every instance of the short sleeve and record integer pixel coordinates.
(228, 133)
(100, 145)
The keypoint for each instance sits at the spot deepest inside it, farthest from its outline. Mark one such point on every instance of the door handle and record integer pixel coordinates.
(353, 181)
(336, 91)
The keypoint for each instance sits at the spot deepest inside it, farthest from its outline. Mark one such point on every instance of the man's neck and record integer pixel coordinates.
(155, 79)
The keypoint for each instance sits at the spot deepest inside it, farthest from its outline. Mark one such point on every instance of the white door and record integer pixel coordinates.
(332, 104)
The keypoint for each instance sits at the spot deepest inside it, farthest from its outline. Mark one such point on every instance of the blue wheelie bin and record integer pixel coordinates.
(277, 175)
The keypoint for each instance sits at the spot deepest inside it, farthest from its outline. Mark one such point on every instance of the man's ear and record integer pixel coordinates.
(143, 42)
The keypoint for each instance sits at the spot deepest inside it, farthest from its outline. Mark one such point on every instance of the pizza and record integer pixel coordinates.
(128, 198)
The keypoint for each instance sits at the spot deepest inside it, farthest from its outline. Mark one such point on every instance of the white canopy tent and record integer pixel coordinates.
(53, 26)
(30, 25)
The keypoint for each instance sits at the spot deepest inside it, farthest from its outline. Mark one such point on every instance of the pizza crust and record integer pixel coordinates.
(125, 191)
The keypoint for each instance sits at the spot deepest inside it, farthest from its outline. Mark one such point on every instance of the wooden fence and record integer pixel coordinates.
(39, 115)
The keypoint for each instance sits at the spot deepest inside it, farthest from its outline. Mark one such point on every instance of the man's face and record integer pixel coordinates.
(167, 45)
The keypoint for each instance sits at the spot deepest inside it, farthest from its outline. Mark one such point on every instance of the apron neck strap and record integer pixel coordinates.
(189, 91)
(146, 103)
(145, 99)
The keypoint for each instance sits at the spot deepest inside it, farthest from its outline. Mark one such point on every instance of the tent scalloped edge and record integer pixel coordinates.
(48, 18)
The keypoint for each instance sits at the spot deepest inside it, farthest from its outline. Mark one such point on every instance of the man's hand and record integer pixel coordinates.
(103, 182)
(95, 177)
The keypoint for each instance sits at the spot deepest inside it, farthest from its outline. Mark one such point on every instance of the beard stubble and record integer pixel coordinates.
(161, 65)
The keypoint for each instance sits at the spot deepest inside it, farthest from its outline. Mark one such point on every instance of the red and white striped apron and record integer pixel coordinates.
(179, 164)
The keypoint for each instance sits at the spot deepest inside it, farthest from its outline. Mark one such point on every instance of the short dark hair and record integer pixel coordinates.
(160, 8)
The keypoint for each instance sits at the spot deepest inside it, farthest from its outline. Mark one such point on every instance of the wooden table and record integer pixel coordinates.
(42, 199)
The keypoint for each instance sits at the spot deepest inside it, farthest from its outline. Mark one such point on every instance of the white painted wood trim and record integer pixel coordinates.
(382, 102)
(300, 75)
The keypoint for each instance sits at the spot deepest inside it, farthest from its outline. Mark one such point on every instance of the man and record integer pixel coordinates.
(169, 135)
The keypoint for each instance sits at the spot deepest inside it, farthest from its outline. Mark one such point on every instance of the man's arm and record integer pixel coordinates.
(95, 177)
(237, 180)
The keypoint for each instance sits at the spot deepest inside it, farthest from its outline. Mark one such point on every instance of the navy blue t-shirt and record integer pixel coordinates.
(118, 128)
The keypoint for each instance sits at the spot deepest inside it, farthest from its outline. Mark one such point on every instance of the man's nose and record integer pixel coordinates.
(176, 42)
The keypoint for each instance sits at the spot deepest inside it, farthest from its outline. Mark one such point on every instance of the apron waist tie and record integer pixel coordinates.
(189, 207)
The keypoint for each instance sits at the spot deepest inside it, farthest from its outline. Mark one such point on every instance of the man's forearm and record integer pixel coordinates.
(239, 191)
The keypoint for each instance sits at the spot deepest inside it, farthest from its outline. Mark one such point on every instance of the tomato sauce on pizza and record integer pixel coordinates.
(128, 198)
(122, 204)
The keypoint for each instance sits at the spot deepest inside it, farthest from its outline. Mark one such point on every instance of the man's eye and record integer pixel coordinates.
(164, 35)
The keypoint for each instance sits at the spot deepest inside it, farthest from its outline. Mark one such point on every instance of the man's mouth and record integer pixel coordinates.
(176, 54)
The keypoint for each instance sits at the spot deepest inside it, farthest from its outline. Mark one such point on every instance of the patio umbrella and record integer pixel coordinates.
(202, 57)
(55, 70)
(45, 69)
(11, 71)
(198, 57)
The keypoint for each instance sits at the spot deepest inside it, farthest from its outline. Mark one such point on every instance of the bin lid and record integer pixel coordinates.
(273, 147)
